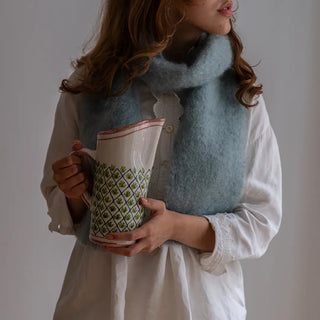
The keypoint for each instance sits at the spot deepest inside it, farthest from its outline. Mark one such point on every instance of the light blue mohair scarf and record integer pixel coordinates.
(208, 162)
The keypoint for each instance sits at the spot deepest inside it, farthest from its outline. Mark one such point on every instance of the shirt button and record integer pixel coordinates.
(169, 128)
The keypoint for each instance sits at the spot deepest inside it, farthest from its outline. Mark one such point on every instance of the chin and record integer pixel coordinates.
(222, 29)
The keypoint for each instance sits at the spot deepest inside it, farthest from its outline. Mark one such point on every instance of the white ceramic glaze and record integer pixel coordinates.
(124, 160)
(131, 146)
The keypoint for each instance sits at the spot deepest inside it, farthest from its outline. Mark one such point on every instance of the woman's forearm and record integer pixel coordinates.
(193, 231)
(77, 209)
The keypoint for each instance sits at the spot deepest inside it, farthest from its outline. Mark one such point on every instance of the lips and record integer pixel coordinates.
(226, 9)
(227, 5)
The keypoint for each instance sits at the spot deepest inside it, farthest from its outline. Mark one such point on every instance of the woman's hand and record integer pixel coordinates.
(157, 230)
(72, 173)
(73, 176)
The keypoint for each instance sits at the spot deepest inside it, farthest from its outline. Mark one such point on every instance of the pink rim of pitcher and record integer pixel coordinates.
(142, 125)
(130, 126)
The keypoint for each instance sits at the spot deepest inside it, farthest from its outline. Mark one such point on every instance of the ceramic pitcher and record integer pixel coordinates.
(124, 159)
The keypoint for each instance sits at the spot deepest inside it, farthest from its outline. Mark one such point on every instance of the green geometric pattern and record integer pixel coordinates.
(115, 207)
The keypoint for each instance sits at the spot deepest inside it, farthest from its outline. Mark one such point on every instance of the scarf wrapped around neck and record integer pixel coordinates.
(208, 159)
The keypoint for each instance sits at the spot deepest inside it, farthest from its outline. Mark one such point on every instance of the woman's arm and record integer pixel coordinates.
(193, 231)
(64, 213)
(246, 232)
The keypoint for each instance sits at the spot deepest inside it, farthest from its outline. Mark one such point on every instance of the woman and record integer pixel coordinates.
(215, 192)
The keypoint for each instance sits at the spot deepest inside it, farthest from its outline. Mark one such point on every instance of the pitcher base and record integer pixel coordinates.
(102, 241)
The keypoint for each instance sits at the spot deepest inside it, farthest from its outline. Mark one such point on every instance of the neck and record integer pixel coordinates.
(183, 40)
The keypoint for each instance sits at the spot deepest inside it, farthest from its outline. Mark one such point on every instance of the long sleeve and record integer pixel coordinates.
(247, 231)
(64, 132)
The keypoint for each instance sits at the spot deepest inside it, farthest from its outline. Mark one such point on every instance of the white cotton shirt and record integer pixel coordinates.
(174, 282)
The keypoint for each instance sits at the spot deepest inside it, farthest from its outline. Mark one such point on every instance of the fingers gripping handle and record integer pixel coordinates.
(86, 197)
(88, 152)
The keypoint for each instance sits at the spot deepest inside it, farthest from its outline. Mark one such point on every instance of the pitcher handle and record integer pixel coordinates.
(86, 197)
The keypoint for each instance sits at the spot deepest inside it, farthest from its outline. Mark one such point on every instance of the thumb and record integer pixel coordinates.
(76, 145)
(153, 204)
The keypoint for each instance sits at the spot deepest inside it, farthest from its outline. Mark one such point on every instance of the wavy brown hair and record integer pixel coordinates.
(130, 34)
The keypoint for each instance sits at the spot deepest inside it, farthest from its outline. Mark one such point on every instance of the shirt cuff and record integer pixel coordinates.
(215, 261)
(61, 220)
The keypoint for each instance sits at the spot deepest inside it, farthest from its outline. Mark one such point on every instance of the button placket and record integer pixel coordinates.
(167, 106)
